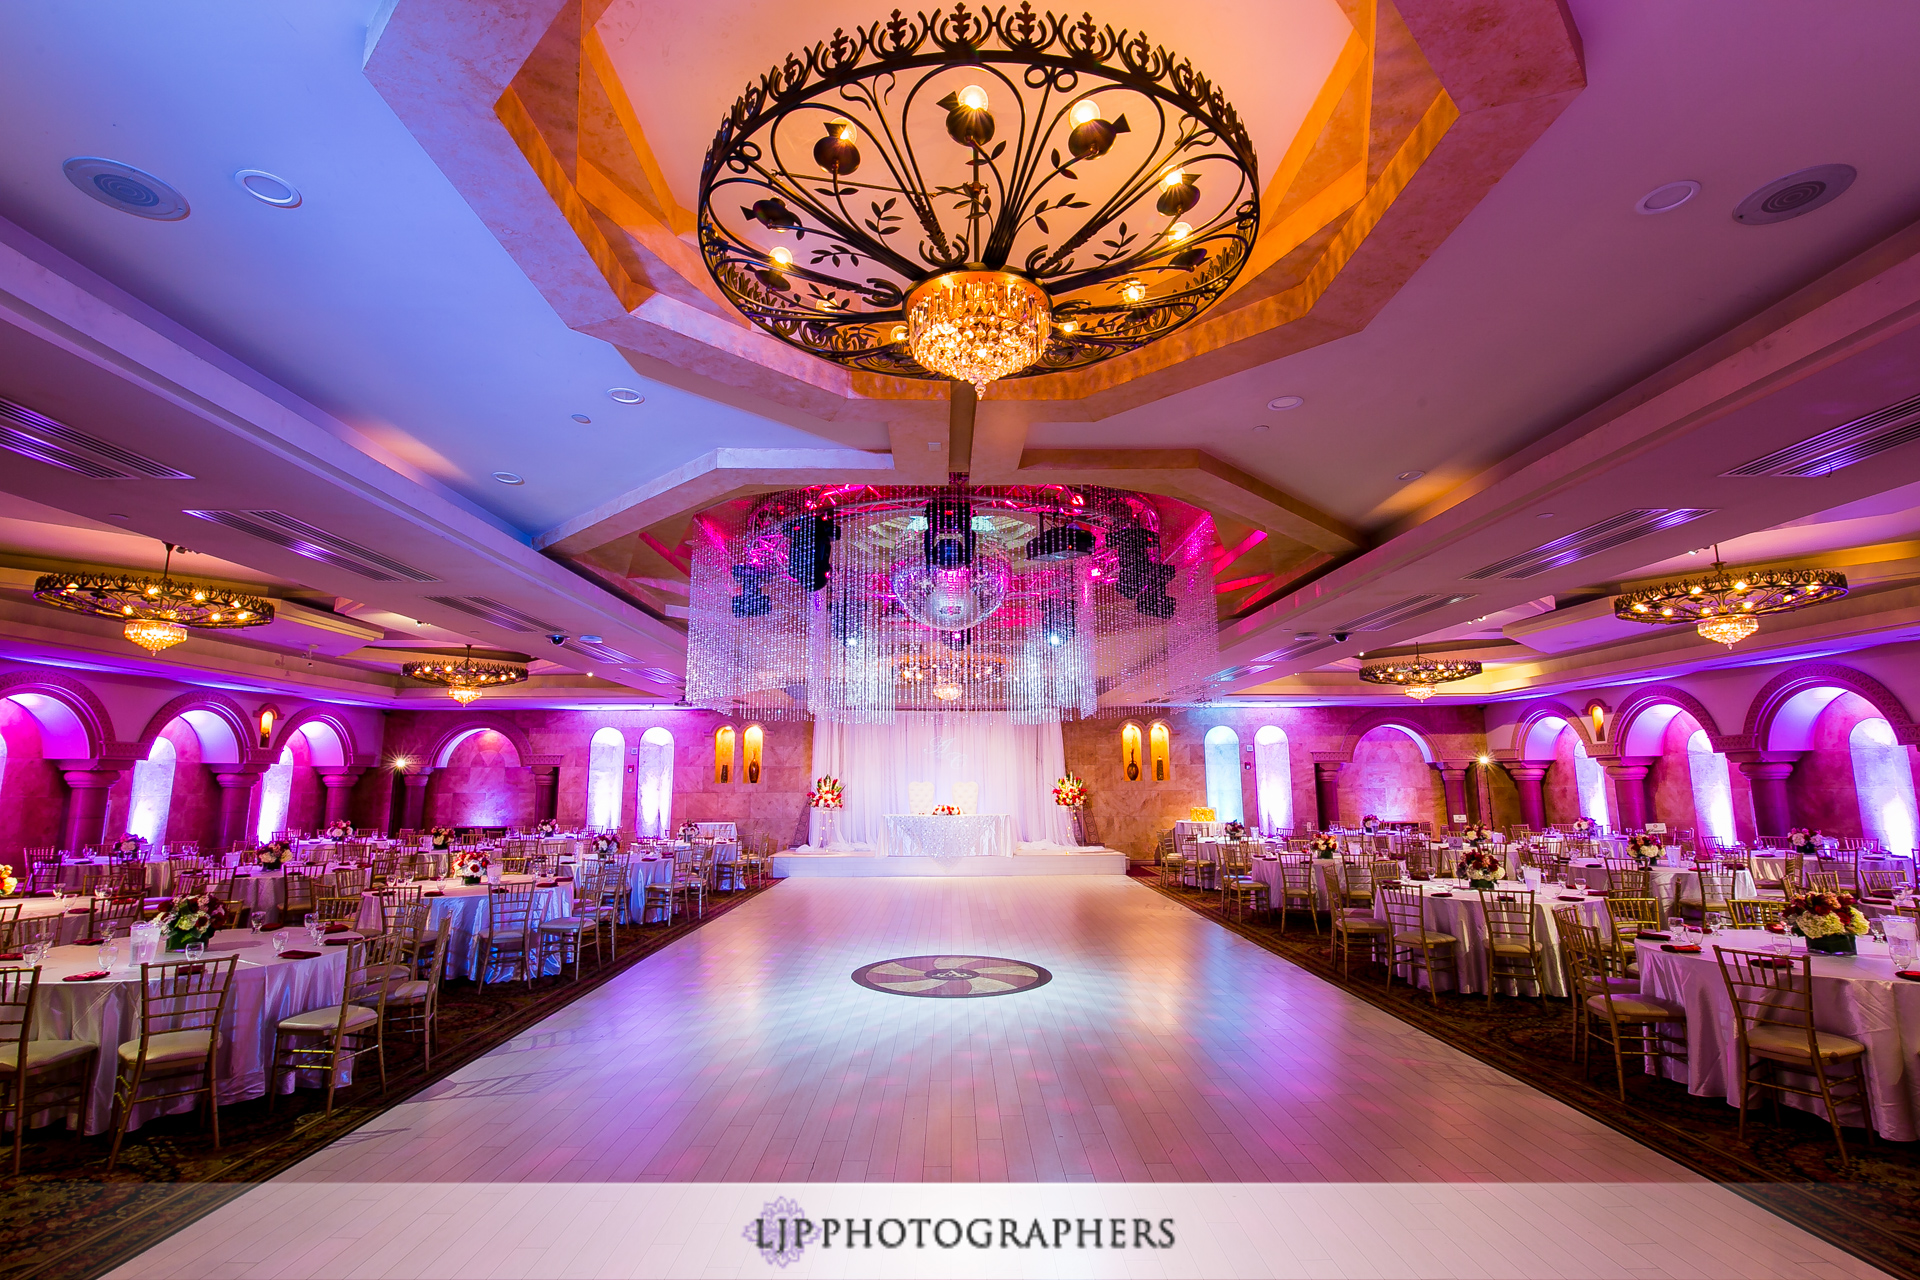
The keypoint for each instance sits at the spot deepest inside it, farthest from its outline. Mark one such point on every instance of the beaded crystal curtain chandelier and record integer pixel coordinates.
(978, 194)
(858, 602)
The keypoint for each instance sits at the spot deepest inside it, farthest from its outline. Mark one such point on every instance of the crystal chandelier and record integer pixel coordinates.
(1418, 676)
(1724, 606)
(466, 678)
(977, 326)
(855, 603)
(155, 612)
(978, 194)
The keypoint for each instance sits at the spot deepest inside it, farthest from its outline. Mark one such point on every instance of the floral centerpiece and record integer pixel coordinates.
(1370, 823)
(1235, 830)
(191, 918)
(947, 810)
(688, 830)
(1200, 813)
(274, 855)
(129, 845)
(1803, 842)
(606, 844)
(1587, 827)
(1325, 845)
(827, 793)
(1477, 833)
(1828, 921)
(440, 837)
(470, 866)
(338, 830)
(7, 883)
(546, 827)
(1070, 792)
(1482, 868)
(1643, 849)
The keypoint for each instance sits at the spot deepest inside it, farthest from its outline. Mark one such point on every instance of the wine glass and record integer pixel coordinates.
(194, 950)
(279, 942)
(1676, 925)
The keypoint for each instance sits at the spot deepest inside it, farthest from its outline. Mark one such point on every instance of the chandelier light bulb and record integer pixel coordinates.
(1179, 231)
(1084, 111)
(1133, 291)
(1173, 178)
(973, 98)
(782, 257)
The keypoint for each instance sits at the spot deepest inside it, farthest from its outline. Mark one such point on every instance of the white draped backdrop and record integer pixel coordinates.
(1015, 764)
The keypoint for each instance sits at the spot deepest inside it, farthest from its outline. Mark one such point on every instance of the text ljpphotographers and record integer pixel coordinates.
(779, 1236)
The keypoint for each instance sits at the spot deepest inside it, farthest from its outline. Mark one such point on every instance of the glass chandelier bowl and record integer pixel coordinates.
(1725, 606)
(1069, 192)
(156, 612)
(1418, 675)
(466, 677)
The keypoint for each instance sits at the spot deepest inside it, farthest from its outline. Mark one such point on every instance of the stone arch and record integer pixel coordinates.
(1773, 698)
(467, 726)
(1643, 700)
(1532, 717)
(349, 749)
(1385, 720)
(215, 711)
(74, 723)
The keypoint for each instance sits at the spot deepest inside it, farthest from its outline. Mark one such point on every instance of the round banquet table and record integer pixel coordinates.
(265, 989)
(462, 908)
(160, 872)
(75, 914)
(1266, 869)
(1669, 881)
(1461, 915)
(1856, 996)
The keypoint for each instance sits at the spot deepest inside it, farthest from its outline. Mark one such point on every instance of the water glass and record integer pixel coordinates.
(313, 921)
(113, 953)
(279, 942)
(1676, 925)
(255, 921)
(37, 951)
(195, 950)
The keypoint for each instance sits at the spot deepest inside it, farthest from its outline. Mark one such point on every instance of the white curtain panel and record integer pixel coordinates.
(1014, 766)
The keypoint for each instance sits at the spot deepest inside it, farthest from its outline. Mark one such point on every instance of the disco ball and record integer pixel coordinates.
(951, 599)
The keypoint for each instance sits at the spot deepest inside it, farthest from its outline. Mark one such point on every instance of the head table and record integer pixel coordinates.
(946, 835)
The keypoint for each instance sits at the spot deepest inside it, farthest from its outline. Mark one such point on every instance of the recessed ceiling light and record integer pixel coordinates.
(1544, 515)
(507, 477)
(592, 640)
(268, 188)
(1795, 194)
(1410, 475)
(123, 187)
(1285, 402)
(118, 515)
(1666, 198)
(582, 419)
(626, 395)
(1262, 427)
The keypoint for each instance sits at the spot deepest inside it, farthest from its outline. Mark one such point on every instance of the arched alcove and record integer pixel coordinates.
(1712, 788)
(723, 753)
(1222, 747)
(753, 741)
(655, 816)
(606, 761)
(276, 796)
(32, 793)
(1853, 777)
(1160, 751)
(1273, 777)
(152, 799)
(1391, 778)
(1132, 758)
(1883, 783)
(482, 784)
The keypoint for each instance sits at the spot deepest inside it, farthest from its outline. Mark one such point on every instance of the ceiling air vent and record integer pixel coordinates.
(659, 675)
(1612, 532)
(303, 539)
(36, 436)
(597, 652)
(500, 615)
(1401, 611)
(1844, 445)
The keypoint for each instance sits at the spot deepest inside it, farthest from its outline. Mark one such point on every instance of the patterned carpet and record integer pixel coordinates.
(67, 1217)
(1790, 1167)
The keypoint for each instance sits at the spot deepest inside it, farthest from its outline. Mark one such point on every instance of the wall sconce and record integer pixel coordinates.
(267, 717)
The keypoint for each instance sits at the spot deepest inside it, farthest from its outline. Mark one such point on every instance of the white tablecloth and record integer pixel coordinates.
(951, 835)
(463, 909)
(73, 913)
(265, 990)
(1857, 996)
(1669, 882)
(1462, 916)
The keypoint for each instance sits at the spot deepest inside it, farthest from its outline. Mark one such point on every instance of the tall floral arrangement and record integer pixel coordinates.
(1804, 842)
(1477, 833)
(440, 837)
(827, 793)
(1370, 823)
(546, 827)
(1235, 831)
(1482, 868)
(1070, 793)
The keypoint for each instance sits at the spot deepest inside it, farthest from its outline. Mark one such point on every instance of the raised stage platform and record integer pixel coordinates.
(849, 866)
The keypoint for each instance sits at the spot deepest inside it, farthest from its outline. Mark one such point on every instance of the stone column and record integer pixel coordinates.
(545, 799)
(1630, 789)
(236, 798)
(339, 784)
(1326, 791)
(1453, 780)
(1769, 779)
(87, 806)
(413, 816)
(1533, 801)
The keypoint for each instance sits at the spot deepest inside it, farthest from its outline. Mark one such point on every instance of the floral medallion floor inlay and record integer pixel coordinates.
(951, 977)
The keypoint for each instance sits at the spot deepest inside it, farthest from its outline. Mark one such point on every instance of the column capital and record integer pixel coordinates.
(85, 779)
(1767, 770)
(1328, 768)
(237, 775)
(1627, 772)
(419, 778)
(345, 777)
(1526, 772)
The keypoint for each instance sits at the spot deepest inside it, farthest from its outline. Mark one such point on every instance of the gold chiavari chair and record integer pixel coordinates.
(1296, 890)
(1793, 867)
(110, 915)
(1710, 891)
(1581, 984)
(1241, 894)
(1411, 943)
(512, 917)
(182, 1004)
(1756, 913)
(413, 1003)
(341, 1033)
(336, 909)
(1630, 881)
(1622, 1017)
(30, 1068)
(1822, 881)
(1513, 940)
(393, 898)
(9, 916)
(23, 932)
(1884, 882)
(1778, 1043)
(1350, 919)
(575, 932)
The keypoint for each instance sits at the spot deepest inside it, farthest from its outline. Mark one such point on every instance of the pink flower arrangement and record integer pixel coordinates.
(947, 810)
(1070, 793)
(827, 793)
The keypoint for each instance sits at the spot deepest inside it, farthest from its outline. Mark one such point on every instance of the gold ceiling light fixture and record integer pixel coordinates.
(155, 613)
(466, 677)
(1726, 605)
(1418, 676)
(978, 194)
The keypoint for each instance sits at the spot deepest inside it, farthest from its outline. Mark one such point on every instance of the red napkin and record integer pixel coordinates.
(79, 911)
(89, 942)
(335, 927)
(13, 955)
(1776, 928)
(1910, 975)
(1573, 897)
(93, 976)
(1648, 935)
(343, 942)
(565, 880)
(188, 970)
(269, 928)
(1773, 962)
(1681, 949)
(40, 893)
(1440, 895)
(544, 884)
(432, 893)
(499, 890)
(298, 955)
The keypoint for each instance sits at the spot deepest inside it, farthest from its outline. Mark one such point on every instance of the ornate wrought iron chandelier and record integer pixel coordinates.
(854, 603)
(990, 194)
(1419, 676)
(156, 612)
(468, 677)
(1725, 607)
